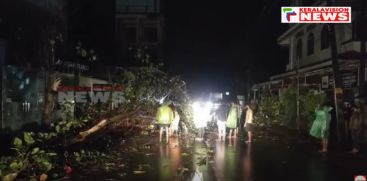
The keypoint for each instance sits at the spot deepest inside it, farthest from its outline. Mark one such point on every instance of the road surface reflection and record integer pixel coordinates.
(185, 159)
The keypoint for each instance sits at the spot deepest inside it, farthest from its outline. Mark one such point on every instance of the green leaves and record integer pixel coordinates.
(16, 166)
(83, 53)
(35, 150)
(57, 128)
(284, 107)
(28, 158)
(17, 142)
(270, 110)
(10, 177)
(77, 156)
(52, 154)
(13, 165)
(47, 166)
(28, 138)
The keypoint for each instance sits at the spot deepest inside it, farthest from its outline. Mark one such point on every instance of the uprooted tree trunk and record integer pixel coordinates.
(54, 83)
(102, 124)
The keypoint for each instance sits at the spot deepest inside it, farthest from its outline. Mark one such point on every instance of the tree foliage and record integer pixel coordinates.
(270, 110)
(282, 109)
(145, 87)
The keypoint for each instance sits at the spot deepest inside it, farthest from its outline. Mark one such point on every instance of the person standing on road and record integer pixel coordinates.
(347, 111)
(221, 115)
(239, 112)
(174, 125)
(164, 118)
(249, 123)
(232, 120)
(321, 125)
(355, 127)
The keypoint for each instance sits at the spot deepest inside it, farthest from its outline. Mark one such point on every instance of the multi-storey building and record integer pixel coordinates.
(310, 60)
(139, 24)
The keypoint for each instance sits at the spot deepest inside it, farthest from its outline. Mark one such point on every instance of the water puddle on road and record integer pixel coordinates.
(181, 159)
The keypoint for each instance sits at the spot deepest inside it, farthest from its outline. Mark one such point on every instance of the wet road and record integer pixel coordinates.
(269, 157)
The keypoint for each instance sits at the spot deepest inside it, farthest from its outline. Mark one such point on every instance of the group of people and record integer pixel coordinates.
(321, 126)
(230, 117)
(227, 116)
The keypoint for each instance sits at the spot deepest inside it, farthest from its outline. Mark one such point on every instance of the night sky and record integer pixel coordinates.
(215, 45)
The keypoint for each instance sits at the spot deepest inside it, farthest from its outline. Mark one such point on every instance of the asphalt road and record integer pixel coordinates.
(271, 156)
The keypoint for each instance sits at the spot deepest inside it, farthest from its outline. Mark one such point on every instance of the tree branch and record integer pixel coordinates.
(100, 125)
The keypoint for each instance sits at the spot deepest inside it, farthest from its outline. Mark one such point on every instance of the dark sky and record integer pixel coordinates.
(215, 44)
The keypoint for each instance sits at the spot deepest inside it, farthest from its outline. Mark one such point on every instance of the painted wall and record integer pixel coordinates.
(343, 35)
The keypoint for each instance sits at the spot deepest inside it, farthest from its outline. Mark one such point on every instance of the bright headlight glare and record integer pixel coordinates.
(202, 113)
(196, 105)
(209, 105)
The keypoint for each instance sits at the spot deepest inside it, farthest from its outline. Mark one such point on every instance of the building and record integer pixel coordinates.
(93, 24)
(139, 24)
(26, 27)
(25, 30)
(310, 61)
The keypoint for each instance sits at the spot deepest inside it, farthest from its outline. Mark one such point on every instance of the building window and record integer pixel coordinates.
(150, 35)
(325, 41)
(310, 44)
(299, 49)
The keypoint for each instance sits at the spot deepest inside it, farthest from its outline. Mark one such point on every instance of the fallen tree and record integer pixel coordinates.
(65, 140)
(100, 125)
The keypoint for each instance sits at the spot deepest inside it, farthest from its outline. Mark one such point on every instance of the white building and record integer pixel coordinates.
(310, 53)
(310, 60)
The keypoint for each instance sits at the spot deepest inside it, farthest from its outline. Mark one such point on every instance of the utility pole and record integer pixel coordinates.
(298, 116)
(361, 28)
(2, 96)
(362, 65)
(337, 79)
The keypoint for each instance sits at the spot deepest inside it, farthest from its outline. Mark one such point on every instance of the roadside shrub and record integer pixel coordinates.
(269, 110)
(309, 100)
(288, 98)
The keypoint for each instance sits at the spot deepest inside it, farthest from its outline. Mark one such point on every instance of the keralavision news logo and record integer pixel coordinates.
(316, 15)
